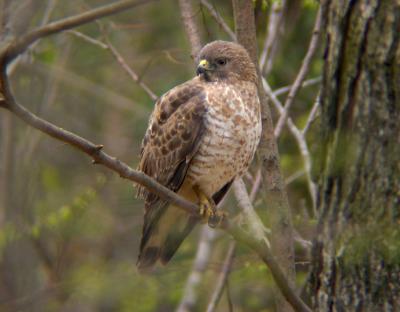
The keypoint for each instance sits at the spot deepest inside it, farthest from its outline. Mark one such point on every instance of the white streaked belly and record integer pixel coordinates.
(225, 151)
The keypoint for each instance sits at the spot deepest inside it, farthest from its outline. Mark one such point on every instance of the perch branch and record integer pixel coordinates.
(100, 157)
(91, 149)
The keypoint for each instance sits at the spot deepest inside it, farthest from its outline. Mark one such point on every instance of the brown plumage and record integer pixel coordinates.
(201, 136)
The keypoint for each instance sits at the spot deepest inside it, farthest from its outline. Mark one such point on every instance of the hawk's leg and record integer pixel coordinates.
(208, 209)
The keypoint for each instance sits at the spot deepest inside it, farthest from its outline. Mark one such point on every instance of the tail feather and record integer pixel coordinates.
(175, 239)
(165, 237)
(165, 232)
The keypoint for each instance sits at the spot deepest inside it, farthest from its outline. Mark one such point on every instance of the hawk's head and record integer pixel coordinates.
(223, 60)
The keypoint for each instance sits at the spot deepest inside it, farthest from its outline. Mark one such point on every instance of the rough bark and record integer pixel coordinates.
(356, 256)
(274, 192)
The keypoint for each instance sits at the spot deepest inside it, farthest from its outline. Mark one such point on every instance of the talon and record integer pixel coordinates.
(207, 206)
(208, 211)
(216, 219)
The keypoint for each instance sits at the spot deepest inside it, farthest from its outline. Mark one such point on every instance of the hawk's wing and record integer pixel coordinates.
(175, 128)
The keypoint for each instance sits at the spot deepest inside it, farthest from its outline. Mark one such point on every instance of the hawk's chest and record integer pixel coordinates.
(233, 129)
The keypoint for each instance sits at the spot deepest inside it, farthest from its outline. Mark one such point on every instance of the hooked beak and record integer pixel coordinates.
(203, 67)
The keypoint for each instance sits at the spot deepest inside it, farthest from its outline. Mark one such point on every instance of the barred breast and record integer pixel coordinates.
(233, 130)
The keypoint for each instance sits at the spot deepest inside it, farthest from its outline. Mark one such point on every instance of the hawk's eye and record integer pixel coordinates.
(221, 61)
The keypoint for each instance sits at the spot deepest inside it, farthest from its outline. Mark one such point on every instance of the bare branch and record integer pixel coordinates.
(306, 83)
(192, 31)
(202, 257)
(91, 149)
(226, 268)
(273, 29)
(88, 39)
(218, 18)
(118, 57)
(130, 71)
(250, 219)
(273, 183)
(301, 142)
(100, 157)
(46, 17)
(118, 101)
(301, 75)
(256, 185)
(312, 115)
(266, 255)
(230, 255)
(20, 44)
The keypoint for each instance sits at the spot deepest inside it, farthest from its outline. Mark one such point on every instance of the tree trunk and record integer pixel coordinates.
(356, 255)
(274, 192)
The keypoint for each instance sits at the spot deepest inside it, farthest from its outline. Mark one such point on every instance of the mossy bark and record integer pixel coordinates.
(356, 254)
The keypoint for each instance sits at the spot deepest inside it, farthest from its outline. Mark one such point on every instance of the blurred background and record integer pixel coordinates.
(70, 230)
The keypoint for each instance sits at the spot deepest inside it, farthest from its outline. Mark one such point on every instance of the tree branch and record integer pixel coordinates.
(91, 149)
(266, 255)
(223, 277)
(306, 83)
(301, 75)
(202, 258)
(100, 157)
(218, 18)
(22, 43)
(192, 31)
(273, 182)
(130, 71)
(273, 29)
(300, 139)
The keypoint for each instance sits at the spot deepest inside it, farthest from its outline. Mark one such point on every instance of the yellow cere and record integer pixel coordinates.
(203, 63)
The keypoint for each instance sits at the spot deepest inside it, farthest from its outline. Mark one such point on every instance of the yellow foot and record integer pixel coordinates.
(208, 211)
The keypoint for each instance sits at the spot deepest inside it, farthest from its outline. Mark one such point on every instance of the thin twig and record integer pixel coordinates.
(301, 142)
(118, 57)
(88, 39)
(226, 268)
(130, 71)
(21, 44)
(273, 29)
(294, 176)
(306, 83)
(45, 19)
(218, 18)
(301, 75)
(312, 115)
(256, 185)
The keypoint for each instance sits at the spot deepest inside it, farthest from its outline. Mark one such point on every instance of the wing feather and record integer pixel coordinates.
(175, 129)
